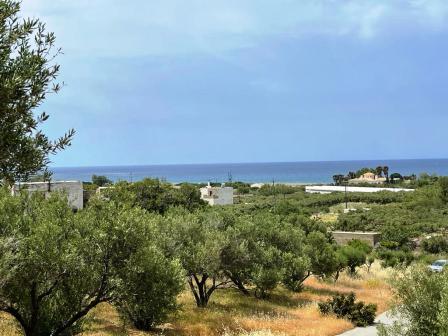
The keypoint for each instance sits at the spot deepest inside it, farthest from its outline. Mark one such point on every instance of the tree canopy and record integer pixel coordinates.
(27, 75)
(56, 265)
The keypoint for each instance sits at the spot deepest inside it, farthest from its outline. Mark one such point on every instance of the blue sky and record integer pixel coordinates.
(189, 81)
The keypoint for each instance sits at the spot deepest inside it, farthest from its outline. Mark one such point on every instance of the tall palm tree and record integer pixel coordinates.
(386, 173)
(379, 171)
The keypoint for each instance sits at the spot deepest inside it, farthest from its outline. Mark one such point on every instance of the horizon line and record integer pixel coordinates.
(244, 163)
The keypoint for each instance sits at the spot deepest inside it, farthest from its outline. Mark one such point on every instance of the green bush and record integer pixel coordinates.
(101, 180)
(344, 306)
(278, 189)
(436, 244)
(355, 254)
(392, 258)
(149, 289)
(423, 302)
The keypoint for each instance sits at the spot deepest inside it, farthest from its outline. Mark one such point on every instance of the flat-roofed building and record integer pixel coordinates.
(72, 189)
(217, 195)
(344, 237)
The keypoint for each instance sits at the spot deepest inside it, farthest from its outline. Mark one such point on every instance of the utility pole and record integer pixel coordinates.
(346, 201)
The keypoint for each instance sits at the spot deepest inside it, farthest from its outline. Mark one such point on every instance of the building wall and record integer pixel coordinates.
(73, 190)
(219, 195)
(225, 196)
(343, 237)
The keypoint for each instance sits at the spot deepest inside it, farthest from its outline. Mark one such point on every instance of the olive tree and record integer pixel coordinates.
(27, 75)
(421, 304)
(322, 254)
(101, 180)
(443, 185)
(355, 254)
(198, 240)
(148, 290)
(155, 195)
(55, 265)
(276, 252)
(236, 256)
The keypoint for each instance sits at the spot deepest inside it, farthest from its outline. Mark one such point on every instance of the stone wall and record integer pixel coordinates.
(343, 237)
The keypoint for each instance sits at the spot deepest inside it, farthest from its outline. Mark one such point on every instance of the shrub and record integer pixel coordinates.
(149, 289)
(278, 189)
(344, 306)
(435, 245)
(391, 258)
(100, 180)
(355, 254)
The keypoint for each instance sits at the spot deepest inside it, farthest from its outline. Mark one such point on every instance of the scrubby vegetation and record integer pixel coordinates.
(136, 246)
(344, 306)
(421, 303)
(132, 246)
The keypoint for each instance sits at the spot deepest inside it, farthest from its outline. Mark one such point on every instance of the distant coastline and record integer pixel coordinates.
(298, 173)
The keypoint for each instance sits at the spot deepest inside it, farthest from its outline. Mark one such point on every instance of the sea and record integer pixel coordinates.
(279, 172)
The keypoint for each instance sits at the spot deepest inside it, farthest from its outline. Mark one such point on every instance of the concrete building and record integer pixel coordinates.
(73, 190)
(331, 189)
(217, 195)
(343, 237)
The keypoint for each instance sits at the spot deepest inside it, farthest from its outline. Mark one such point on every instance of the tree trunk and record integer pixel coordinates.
(336, 276)
(199, 289)
(239, 284)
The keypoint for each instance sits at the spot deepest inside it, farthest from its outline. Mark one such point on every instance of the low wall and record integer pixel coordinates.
(343, 237)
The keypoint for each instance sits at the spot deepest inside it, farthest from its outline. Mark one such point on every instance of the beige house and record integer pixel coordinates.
(369, 177)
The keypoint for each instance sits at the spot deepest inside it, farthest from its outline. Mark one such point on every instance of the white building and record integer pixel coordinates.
(330, 189)
(217, 195)
(73, 190)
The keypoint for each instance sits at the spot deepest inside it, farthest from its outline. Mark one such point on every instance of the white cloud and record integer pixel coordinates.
(141, 27)
(433, 13)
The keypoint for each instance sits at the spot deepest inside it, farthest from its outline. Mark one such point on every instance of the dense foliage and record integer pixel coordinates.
(435, 245)
(155, 195)
(56, 265)
(422, 304)
(100, 180)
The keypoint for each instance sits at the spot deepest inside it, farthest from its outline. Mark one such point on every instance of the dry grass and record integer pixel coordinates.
(339, 208)
(328, 217)
(8, 326)
(231, 314)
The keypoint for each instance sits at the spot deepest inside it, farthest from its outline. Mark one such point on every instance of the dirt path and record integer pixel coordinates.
(384, 318)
